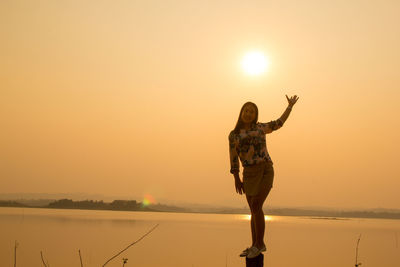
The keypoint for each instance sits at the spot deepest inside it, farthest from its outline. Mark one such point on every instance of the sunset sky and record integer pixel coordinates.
(134, 98)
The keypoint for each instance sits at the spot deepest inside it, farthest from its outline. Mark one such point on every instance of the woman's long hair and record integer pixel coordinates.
(239, 123)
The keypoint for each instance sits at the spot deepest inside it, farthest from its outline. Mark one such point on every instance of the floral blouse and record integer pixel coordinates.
(250, 145)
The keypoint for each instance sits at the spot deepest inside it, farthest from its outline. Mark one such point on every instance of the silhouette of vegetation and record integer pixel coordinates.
(124, 260)
(335, 214)
(7, 203)
(133, 205)
(113, 257)
(127, 205)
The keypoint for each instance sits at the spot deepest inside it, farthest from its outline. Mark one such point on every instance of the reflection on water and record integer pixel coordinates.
(190, 239)
(247, 217)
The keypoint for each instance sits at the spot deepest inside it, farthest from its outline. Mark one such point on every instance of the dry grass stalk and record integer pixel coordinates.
(358, 242)
(131, 245)
(15, 253)
(80, 257)
(45, 265)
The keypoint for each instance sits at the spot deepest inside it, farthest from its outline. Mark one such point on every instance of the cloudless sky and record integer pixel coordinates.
(129, 98)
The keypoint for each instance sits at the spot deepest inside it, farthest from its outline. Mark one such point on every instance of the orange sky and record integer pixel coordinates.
(130, 98)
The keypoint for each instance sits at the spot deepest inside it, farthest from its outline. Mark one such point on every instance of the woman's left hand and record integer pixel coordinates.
(292, 100)
(239, 186)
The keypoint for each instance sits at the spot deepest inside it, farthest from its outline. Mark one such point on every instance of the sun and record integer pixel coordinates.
(255, 63)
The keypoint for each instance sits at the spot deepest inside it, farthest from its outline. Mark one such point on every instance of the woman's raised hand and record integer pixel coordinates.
(292, 100)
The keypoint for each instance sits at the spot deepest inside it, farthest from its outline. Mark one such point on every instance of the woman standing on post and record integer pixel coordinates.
(247, 142)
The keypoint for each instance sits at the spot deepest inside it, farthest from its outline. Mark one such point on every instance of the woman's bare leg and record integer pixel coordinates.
(259, 219)
(252, 223)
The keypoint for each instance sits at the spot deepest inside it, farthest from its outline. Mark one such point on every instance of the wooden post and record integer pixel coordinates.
(255, 262)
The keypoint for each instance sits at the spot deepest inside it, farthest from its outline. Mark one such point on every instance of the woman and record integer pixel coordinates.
(247, 142)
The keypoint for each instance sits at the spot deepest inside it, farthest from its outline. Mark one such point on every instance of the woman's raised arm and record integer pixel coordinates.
(275, 125)
(291, 101)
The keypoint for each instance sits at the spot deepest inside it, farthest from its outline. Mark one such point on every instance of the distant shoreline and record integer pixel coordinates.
(132, 205)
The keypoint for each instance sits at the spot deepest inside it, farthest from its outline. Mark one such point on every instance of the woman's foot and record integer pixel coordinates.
(263, 248)
(253, 252)
(244, 252)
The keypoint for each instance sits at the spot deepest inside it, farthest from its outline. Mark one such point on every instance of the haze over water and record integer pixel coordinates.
(183, 239)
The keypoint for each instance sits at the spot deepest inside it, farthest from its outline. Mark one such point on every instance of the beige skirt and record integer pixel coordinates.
(257, 177)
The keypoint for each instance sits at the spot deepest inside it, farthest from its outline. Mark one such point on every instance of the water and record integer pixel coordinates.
(190, 240)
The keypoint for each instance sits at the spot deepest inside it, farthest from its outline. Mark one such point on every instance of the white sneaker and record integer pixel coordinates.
(253, 252)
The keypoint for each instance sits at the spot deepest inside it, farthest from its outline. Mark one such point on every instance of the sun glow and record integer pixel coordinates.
(255, 63)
